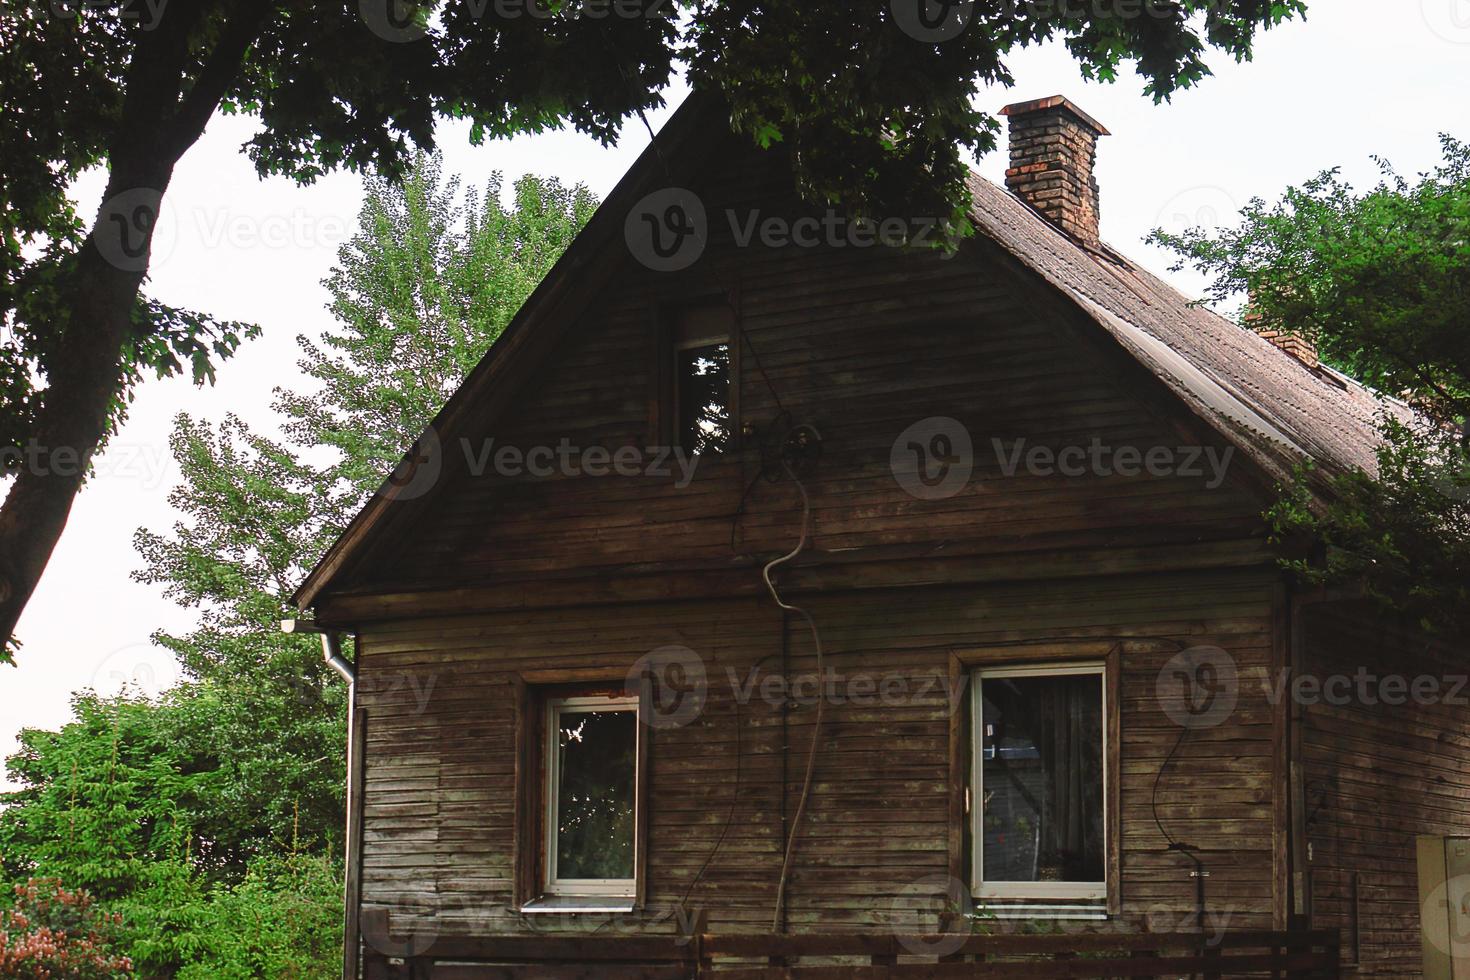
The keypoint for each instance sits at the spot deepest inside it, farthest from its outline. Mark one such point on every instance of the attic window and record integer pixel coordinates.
(701, 361)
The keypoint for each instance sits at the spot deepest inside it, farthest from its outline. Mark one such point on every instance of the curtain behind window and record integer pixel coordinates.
(1043, 778)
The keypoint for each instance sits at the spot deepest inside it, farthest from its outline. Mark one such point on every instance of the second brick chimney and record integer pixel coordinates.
(1053, 149)
(1288, 340)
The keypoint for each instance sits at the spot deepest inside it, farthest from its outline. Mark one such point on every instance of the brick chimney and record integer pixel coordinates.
(1288, 340)
(1294, 344)
(1053, 148)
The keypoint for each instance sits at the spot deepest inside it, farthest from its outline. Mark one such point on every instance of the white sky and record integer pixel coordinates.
(1359, 77)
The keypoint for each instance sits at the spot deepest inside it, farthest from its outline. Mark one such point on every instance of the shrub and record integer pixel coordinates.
(51, 932)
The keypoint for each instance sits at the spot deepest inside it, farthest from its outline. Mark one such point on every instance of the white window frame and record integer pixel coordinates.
(600, 887)
(1031, 889)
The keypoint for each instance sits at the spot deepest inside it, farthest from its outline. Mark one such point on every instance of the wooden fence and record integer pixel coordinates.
(876, 957)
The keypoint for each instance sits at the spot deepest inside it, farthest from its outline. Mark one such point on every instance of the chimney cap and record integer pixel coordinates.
(1052, 102)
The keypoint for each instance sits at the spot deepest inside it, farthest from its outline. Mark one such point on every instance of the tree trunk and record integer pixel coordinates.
(82, 381)
(158, 123)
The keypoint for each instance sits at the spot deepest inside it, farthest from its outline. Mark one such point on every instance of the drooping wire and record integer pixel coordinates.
(754, 355)
(773, 446)
(771, 443)
(734, 792)
(729, 815)
(1190, 851)
(811, 757)
(781, 414)
(1153, 801)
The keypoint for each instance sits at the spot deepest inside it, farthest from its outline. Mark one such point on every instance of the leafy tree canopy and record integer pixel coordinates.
(1380, 281)
(208, 818)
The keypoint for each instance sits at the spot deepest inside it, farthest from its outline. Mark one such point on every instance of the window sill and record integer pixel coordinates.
(1083, 911)
(573, 904)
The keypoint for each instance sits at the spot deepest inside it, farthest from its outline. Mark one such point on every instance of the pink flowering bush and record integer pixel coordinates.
(51, 933)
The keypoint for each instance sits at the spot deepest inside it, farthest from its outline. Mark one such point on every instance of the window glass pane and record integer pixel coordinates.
(704, 397)
(1042, 776)
(596, 765)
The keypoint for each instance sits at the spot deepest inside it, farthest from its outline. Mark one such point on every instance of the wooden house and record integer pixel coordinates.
(776, 576)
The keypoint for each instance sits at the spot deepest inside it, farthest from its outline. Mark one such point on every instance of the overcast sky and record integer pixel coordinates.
(1360, 77)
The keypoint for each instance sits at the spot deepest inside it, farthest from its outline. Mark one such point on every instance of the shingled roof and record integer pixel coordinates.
(1262, 399)
(1269, 402)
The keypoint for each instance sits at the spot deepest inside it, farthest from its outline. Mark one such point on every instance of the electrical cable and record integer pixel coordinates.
(754, 354)
(1158, 778)
(772, 444)
(1188, 850)
(811, 758)
(729, 815)
(766, 471)
(781, 414)
(734, 792)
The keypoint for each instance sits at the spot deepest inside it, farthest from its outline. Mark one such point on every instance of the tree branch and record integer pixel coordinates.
(220, 70)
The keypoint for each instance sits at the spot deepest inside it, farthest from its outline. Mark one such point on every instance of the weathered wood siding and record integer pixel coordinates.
(510, 574)
(861, 343)
(440, 762)
(1378, 774)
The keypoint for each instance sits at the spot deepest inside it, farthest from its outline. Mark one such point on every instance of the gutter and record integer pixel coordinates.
(331, 646)
(332, 653)
(356, 718)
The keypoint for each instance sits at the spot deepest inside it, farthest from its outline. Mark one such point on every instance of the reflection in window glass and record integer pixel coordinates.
(1042, 778)
(704, 397)
(595, 775)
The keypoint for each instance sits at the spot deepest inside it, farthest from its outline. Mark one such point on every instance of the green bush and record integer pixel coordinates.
(284, 921)
(50, 932)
